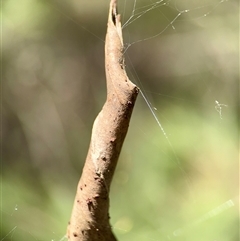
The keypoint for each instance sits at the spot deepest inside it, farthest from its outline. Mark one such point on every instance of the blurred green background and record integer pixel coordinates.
(184, 187)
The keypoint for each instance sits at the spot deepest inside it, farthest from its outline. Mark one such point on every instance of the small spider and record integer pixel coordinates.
(218, 108)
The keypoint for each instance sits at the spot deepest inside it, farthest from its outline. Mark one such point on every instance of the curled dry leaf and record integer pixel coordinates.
(90, 215)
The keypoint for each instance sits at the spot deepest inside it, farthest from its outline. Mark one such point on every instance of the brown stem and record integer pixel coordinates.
(90, 217)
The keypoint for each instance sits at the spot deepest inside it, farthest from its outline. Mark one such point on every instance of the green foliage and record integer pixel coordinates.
(160, 193)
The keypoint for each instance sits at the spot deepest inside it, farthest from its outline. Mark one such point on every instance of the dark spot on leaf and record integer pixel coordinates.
(104, 158)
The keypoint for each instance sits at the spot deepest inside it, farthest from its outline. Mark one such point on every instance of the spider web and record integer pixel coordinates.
(163, 17)
(179, 14)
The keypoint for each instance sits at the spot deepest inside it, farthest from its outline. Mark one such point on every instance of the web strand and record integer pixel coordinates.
(136, 14)
(9, 233)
